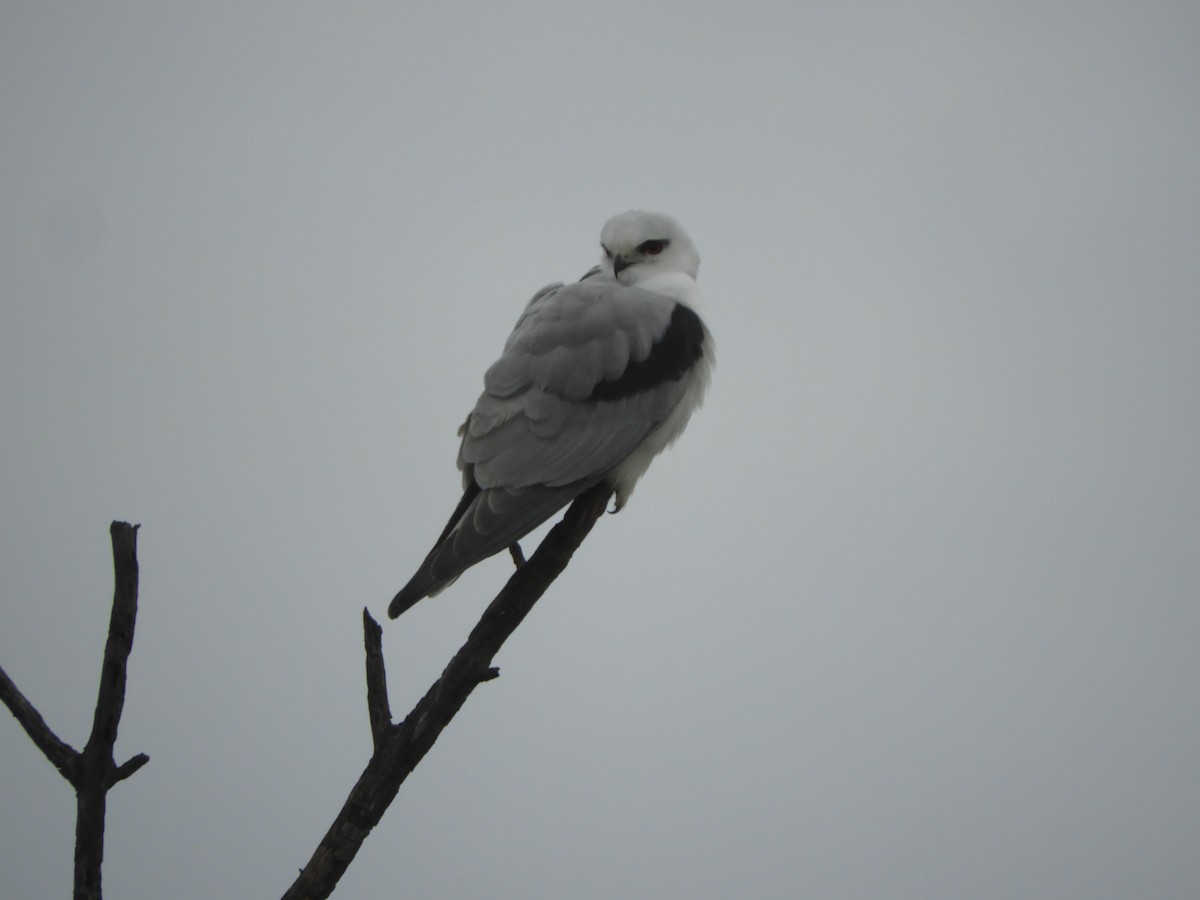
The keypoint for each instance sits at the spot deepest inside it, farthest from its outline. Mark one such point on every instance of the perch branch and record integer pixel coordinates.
(401, 747)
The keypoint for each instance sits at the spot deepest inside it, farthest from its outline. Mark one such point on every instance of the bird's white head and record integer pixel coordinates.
(642, 245)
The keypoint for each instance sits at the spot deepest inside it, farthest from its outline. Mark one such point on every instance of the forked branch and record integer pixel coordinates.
(400, 747)
(93, 771)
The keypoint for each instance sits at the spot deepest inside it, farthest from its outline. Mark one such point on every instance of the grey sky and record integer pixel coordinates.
(910, 612)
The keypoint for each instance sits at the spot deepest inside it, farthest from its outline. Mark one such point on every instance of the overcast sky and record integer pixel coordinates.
(912, 609)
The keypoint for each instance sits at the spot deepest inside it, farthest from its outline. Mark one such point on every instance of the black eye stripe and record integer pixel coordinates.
(653, 247)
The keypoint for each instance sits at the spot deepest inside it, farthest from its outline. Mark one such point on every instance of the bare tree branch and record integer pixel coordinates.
(399, 748)
(378, 710)
(127, 768)
(97, 769)
(61, 754)
(93, 771)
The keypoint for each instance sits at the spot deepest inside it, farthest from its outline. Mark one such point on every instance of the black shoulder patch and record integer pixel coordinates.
(681, 345)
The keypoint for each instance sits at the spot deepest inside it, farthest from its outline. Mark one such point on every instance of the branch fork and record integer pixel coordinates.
(93, 771)
(399, 747)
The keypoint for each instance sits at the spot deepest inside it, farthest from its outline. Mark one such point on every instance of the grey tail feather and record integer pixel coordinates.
(485, 522)
(418, 588)
(421, 585)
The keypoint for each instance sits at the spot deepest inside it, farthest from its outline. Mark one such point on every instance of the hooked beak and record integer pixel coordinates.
(620, 264)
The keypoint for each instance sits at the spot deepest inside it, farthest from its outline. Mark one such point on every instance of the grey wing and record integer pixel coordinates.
(537, 437)
(541, 419)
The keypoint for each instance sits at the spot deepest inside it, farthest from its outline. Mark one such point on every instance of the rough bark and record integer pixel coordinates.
(93, 771)
(400, 747)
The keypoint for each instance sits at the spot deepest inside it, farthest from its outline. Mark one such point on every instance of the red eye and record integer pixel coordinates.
(652, 248)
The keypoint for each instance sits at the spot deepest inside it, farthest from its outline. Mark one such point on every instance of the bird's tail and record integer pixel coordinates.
(485, 522)
(418, 588)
